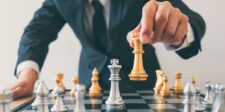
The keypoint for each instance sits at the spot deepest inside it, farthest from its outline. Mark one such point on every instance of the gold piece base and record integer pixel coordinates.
(94, 94)
(138, 76)
(165, 93)
(178, 91)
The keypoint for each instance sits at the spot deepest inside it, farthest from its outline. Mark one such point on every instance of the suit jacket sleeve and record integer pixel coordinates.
(198, 25)
(40, 32)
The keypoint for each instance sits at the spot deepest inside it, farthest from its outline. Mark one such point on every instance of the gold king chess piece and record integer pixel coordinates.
(138, 73)
(95, 89)
(75, 81)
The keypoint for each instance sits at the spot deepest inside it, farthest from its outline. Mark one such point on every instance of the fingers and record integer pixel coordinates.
(147, 21)
(161, 20)
(171, 27)
(180, 32)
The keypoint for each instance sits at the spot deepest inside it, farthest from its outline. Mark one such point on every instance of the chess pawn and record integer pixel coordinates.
(178, 86)
(5, 98)
(219, 100)
(208, 99)
(75, 81)
(159, 82)
(189, 92)
(165, 89)
(59, 104)
(80, 107)
(193, 80)
(95, 89)
(138, 73)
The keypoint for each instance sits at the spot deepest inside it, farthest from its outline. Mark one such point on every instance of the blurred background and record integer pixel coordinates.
(64, 53)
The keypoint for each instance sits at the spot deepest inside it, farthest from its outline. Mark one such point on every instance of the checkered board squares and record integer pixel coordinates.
(135, 101)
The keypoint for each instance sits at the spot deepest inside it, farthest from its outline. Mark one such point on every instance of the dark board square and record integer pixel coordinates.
(137, 106)
(178, 105)
(165, 110)
(155, 101)
(93, 106)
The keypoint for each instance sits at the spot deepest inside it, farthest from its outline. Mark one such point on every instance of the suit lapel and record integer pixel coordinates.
(114, 20)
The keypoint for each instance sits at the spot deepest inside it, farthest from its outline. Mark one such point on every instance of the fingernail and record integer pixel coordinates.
(144, 38)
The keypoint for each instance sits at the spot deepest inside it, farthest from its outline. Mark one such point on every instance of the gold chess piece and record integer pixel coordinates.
(178, 86)
(165, 89)
(59, 83)
(75, 81)
(95, 89)
(138, 73)
(159, 82)
(193, 80)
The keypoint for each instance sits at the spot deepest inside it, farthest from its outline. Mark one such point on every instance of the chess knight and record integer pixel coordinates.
(138, 73)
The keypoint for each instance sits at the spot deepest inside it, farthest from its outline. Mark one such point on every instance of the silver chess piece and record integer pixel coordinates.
(59, 104)
(114, 100)
(41, 102)
(5, 98)
(199, 106)
(189, 102)
(35, 89)
(79, 93)
(208, 100)
(219, 100)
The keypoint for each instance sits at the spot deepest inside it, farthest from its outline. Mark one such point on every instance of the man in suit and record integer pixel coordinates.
(105, 29)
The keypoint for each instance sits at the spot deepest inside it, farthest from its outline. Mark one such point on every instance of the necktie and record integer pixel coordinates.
(99, 26)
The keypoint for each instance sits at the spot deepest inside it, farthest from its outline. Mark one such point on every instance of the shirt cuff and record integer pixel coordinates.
(27, 64)
(188, 40)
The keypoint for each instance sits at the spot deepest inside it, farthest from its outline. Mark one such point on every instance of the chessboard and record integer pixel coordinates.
(135, 101)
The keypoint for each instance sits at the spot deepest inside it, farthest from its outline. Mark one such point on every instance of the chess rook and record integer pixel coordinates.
(41, 101)
(75, 81)
(5, 98)
(114, 100)
(159, 82)
(178, 86)
(79, 92)
(95, 89)
(138, 73)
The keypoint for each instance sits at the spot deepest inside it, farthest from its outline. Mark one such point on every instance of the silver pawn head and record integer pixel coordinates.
(189, 88)
(42, 89)
(209, 86)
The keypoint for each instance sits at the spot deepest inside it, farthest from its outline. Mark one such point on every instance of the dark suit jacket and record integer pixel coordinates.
(124, 16)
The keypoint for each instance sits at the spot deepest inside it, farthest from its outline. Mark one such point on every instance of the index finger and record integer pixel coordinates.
(147, 20)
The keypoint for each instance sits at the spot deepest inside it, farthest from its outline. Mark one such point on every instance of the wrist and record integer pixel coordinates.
(28, 74)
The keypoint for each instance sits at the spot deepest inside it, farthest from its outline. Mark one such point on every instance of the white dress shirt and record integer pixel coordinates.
(89, 13)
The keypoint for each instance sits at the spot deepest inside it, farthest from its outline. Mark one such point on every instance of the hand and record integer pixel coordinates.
(24, 85)
(161, 22)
